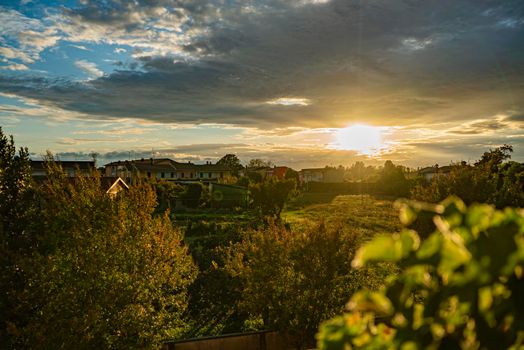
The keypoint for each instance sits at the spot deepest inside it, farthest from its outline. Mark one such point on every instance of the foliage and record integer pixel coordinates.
(243, 181)
(292, 175)
(214, 294)
(259, 163)
(461, 287)
(254, 177)
(231, 161)
(192, 197)
(269, 197)
(392, 181)
(494, 157)
(166, 193)
(293, 280)
(103, 272)
(491, 180)
(17, 214)
(360, 172)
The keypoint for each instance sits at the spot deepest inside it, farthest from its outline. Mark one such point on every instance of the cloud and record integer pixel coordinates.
(15, 66)
(113, 132)
(289, 101)
(89, 67)
(383, 63)
(28, 36)
(81, 47)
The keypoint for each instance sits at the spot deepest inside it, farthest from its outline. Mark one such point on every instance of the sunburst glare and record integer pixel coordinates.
(365, 139)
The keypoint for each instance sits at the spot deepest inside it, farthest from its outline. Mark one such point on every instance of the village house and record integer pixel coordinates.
(327, 175)
(113, 185)
(267, 172)
(430, 172)
(166, 169)
(71, 168)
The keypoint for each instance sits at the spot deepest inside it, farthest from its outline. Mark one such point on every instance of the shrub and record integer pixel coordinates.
(293, 280)
(461, 287)
(192, 196)
(270, 197)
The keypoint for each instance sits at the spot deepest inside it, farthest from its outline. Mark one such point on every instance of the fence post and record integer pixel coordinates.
(262, 341)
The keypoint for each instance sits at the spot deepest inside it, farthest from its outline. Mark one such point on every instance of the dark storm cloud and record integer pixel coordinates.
(385, 62)
(516, 117)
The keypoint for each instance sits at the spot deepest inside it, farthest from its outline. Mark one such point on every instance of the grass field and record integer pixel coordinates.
(366, 213)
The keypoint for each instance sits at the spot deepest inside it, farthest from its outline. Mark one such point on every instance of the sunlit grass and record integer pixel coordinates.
(365, 213)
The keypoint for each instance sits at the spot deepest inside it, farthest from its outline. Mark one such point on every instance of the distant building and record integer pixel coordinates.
(268, 172)
(113, 185)
(430, 172)
(71, 168)
(166, 169)
(277, 172)
(327, 174)
(110, 185)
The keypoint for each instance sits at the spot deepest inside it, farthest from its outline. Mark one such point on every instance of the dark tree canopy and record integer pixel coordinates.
(259, 163)
(232, 161)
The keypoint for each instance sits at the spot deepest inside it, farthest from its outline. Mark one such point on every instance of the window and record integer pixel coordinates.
(191, 175)
(182, 175)
(209, 175)
(162, 175)
(172, 175)
(148, 174)
(201, 175)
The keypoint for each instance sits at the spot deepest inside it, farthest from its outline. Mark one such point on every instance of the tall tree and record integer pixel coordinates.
(270, 197)
(103, 272)
(259, 163)
(17, 209)
(232, 161)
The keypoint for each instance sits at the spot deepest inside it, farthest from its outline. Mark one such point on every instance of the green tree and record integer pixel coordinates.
(192, 196)
(461, 288)
(166, 193)
(17, 216)
(259, 163)
(231, 161)
(293, 280)
(105, 272)
(495, 157)
(511, 191)
(270, 197)
(392, 181)
(491, 180)
(292, 175)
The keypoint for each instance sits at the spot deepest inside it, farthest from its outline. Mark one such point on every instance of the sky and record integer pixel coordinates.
(302, 83)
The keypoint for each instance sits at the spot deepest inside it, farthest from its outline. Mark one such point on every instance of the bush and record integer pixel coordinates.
(270, 197)
(293, 280)
(192, 196)
(461, 287)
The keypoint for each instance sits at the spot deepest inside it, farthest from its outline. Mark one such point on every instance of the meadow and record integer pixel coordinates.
(366, 213)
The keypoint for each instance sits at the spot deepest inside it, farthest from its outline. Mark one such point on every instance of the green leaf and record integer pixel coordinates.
(365, 301)
(387, 248)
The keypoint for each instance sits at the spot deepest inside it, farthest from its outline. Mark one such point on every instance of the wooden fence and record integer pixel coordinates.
(267, 340)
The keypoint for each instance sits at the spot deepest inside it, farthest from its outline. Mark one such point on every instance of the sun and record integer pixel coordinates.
(365, 139)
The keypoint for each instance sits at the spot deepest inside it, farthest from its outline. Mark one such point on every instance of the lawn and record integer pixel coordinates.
(369, 214)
